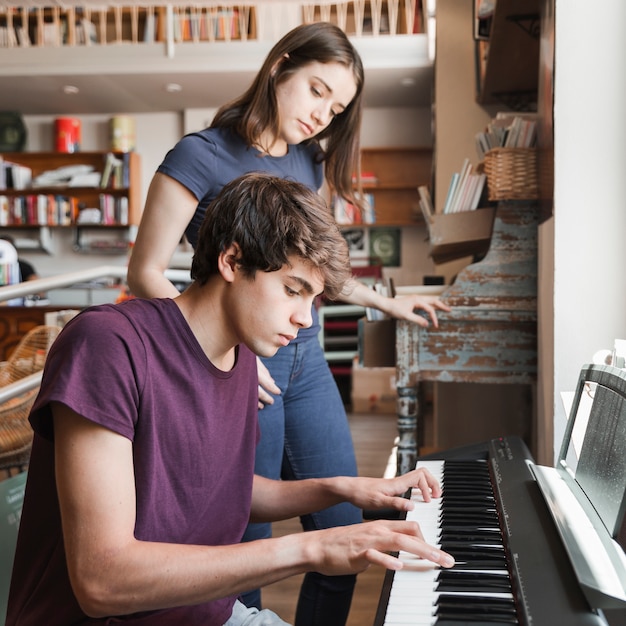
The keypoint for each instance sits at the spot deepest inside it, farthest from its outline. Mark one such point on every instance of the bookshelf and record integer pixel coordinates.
(74, 196)
(24, 26)
(507, 58)
(392, 175)
(370, 18)
(42, 23)
(340, 341)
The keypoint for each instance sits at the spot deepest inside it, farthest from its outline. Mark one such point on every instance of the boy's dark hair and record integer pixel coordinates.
(271, 219)
(256, 110)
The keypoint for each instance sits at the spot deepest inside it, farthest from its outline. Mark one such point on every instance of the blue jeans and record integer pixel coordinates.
(305, 434)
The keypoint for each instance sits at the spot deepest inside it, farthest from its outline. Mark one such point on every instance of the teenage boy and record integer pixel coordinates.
(141, 477)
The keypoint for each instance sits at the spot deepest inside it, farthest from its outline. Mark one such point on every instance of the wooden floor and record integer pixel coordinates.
(373, 437)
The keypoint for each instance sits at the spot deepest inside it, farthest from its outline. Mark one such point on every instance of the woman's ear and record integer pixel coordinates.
(277, 64)
(227, 262)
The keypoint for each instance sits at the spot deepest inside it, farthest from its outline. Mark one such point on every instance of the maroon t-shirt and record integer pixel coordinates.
(137, 369)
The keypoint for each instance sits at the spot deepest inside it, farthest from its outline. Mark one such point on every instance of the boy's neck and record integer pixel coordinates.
(200, 307)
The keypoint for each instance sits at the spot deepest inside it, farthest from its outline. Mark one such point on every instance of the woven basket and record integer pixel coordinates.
(512, 174)
(16, 435)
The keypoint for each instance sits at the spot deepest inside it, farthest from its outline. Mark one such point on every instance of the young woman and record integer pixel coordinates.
(299, 119)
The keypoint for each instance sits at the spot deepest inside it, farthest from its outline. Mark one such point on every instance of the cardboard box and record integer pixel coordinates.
(377, 343)
(373, 389)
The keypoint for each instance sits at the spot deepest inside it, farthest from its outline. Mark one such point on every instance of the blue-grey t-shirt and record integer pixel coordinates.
(207, 160)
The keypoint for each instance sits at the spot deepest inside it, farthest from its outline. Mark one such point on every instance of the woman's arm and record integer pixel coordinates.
(169, 209)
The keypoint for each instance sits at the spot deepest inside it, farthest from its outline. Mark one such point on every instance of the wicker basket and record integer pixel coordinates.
(512, 174)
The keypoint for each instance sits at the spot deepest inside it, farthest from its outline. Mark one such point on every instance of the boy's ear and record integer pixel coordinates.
(227, 262)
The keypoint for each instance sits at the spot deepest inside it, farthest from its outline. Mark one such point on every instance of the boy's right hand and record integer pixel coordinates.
(352, 549)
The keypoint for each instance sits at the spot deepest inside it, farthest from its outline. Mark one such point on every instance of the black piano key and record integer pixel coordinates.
(462, 529)
(475, 605)
(455, 620)
(492, 538)
(469, 507)
(478, 486)
(451, 580)
(474, 609)
(492, 620)
(480, 564)
(465, 498)
(474, 547)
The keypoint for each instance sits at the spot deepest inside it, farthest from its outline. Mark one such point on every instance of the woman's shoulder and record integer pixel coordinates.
(216, 136)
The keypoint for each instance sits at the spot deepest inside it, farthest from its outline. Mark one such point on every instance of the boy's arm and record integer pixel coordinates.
(274, 500)
(113, 573)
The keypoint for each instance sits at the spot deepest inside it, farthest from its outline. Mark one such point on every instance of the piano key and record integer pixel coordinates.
(542, 581)
(416, 585)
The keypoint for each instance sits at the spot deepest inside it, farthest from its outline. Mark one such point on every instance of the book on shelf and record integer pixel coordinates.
(150, 26)
(426, 203)
(109, 177)
(460, 188)
(465, 190)
(454, 181)
(4, 211)
(14, 175)
(508, 130)
(347, 213)
(366, 178)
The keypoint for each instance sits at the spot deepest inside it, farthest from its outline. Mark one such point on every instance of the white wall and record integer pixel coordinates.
(590, 187)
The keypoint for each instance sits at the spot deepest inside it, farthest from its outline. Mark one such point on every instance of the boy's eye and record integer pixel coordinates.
(290, 291)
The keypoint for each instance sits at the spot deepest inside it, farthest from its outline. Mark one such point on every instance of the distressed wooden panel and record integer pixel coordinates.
(490, 336)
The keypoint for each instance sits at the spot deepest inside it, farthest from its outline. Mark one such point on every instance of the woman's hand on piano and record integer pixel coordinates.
(383, 493)
(415, 308)
(352, 549)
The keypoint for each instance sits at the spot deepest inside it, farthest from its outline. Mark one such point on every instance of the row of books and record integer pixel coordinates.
(14, 175)
(347, 213)
(9, 273)
(508, 130)
(190, 24)
(366, 178)
(116, 172)
(196, 24)
(59, 210)
(115, 175)
(464, 193)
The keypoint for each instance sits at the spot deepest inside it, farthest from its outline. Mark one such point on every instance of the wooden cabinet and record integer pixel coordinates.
(16, 321)
(72, 200)
(507, 61)
(392, 176)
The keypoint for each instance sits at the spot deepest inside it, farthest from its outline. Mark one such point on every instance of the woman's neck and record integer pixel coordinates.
(271, 145)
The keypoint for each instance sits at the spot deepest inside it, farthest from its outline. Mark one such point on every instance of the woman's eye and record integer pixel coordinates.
(316, 92)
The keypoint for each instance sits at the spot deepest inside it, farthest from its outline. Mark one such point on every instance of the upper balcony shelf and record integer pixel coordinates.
(121, 56)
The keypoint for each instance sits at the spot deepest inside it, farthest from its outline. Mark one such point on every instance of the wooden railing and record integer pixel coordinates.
(9, 292)
(37, 23)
